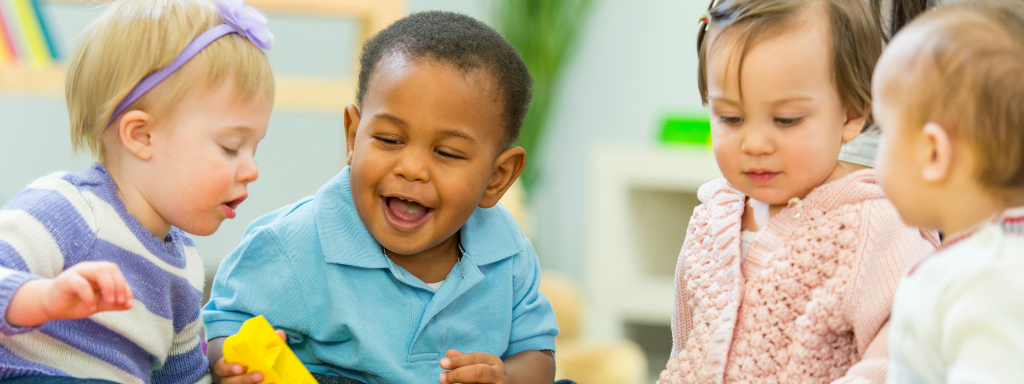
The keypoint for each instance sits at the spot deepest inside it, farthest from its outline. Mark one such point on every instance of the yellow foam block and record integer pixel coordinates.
(257, 346)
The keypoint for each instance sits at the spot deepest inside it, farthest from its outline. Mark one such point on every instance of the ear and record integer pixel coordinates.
(507, 168)
(135, 131)
(351, 125)
(855, 124)
(937, 153)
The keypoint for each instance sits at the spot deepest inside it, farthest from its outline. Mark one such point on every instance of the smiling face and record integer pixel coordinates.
(202, 159)
(781, 139)
(423, 151)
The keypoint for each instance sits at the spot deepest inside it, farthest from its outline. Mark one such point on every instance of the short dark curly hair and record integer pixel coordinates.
(459, 40)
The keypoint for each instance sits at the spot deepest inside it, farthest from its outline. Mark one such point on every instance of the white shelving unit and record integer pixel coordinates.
(641, 199)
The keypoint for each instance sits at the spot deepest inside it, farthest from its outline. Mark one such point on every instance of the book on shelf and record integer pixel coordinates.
(25, 36)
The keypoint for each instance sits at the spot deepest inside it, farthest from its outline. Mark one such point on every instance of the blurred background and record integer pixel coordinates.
(616, 141)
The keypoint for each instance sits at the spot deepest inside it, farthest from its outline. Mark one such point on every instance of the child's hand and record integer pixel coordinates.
(79, 292)
(231, 373)
(474, 367)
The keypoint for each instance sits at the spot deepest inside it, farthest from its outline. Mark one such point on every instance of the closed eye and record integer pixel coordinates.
(731, 120)
(788, 122)
(387, 140)
(230, 152)
(448, 155)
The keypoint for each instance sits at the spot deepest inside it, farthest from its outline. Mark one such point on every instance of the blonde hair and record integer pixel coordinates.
(856, 40)
(132, 39)
(967, 74)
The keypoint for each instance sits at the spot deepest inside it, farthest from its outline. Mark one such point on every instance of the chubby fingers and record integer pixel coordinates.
(472, 368)
(224, 369)
(79, 286)
(107, 278)
(453, 353)
(455, 359)
(249, 378)
(232, 373)
(124, 294)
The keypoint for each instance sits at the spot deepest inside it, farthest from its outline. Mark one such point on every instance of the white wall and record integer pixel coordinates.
(636, 62)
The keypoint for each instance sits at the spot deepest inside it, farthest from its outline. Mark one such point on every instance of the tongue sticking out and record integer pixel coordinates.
(406, 210)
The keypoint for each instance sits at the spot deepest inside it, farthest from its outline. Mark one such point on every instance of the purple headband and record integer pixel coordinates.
(238, 18)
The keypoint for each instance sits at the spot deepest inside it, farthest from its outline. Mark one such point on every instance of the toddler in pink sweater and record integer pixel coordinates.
(791, 261)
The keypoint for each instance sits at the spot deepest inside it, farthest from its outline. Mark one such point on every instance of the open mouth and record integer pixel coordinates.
(405, 214)
(229, 207)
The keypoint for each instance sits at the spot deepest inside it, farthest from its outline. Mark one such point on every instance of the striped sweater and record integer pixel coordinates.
(64, 219)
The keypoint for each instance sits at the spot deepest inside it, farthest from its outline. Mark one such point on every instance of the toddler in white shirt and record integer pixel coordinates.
(949, 100)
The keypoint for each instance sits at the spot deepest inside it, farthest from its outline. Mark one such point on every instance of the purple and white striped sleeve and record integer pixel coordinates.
(40, 230)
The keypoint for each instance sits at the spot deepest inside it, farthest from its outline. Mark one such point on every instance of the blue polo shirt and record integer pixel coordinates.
(313, 270)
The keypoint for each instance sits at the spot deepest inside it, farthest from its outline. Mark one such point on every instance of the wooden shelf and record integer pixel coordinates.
(314, 94)
(32, 81)
(375, 14)
(296, 93)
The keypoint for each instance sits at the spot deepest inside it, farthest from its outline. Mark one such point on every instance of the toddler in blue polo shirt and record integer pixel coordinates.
(404, 268)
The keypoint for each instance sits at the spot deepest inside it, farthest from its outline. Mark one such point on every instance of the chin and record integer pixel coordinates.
(402, 245)
(202, 230)
(409, 243)
(765, 195)
(911, 216)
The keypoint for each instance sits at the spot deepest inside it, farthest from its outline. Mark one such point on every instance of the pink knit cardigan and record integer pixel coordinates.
(813, 311)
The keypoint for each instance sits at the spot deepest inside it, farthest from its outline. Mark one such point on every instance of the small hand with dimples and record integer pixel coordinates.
(78, 292)
(474, 367)
(231, 373)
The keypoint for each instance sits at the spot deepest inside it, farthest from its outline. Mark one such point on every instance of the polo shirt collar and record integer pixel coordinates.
(490, 235)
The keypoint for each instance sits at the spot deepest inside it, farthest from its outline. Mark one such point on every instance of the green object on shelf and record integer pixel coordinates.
(686, 130)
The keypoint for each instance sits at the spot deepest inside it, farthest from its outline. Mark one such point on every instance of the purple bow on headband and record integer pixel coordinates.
(248, 21)
(238, 18)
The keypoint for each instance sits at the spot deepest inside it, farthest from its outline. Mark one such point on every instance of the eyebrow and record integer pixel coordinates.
(792, 99)
(445, 132)
(454, 133)
(391, 118)
(726, 100)
(774, 103)
(239, 128)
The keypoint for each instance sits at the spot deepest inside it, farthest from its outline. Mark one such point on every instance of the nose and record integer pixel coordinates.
(758, 141)
(413, 167)
(248, 172)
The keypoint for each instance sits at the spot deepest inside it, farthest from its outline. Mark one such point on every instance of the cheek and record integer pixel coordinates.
(453, 185)
(460, 193)
(364, 179)
(369, 167)
(727, 152)
(811, 153)
(892, 168)
(895, 174)
(211, 183)
(204, 174)
(882, 161)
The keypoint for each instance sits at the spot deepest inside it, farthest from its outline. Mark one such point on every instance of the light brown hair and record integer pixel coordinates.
(967, 75)
(133, 38)
(856, 40)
